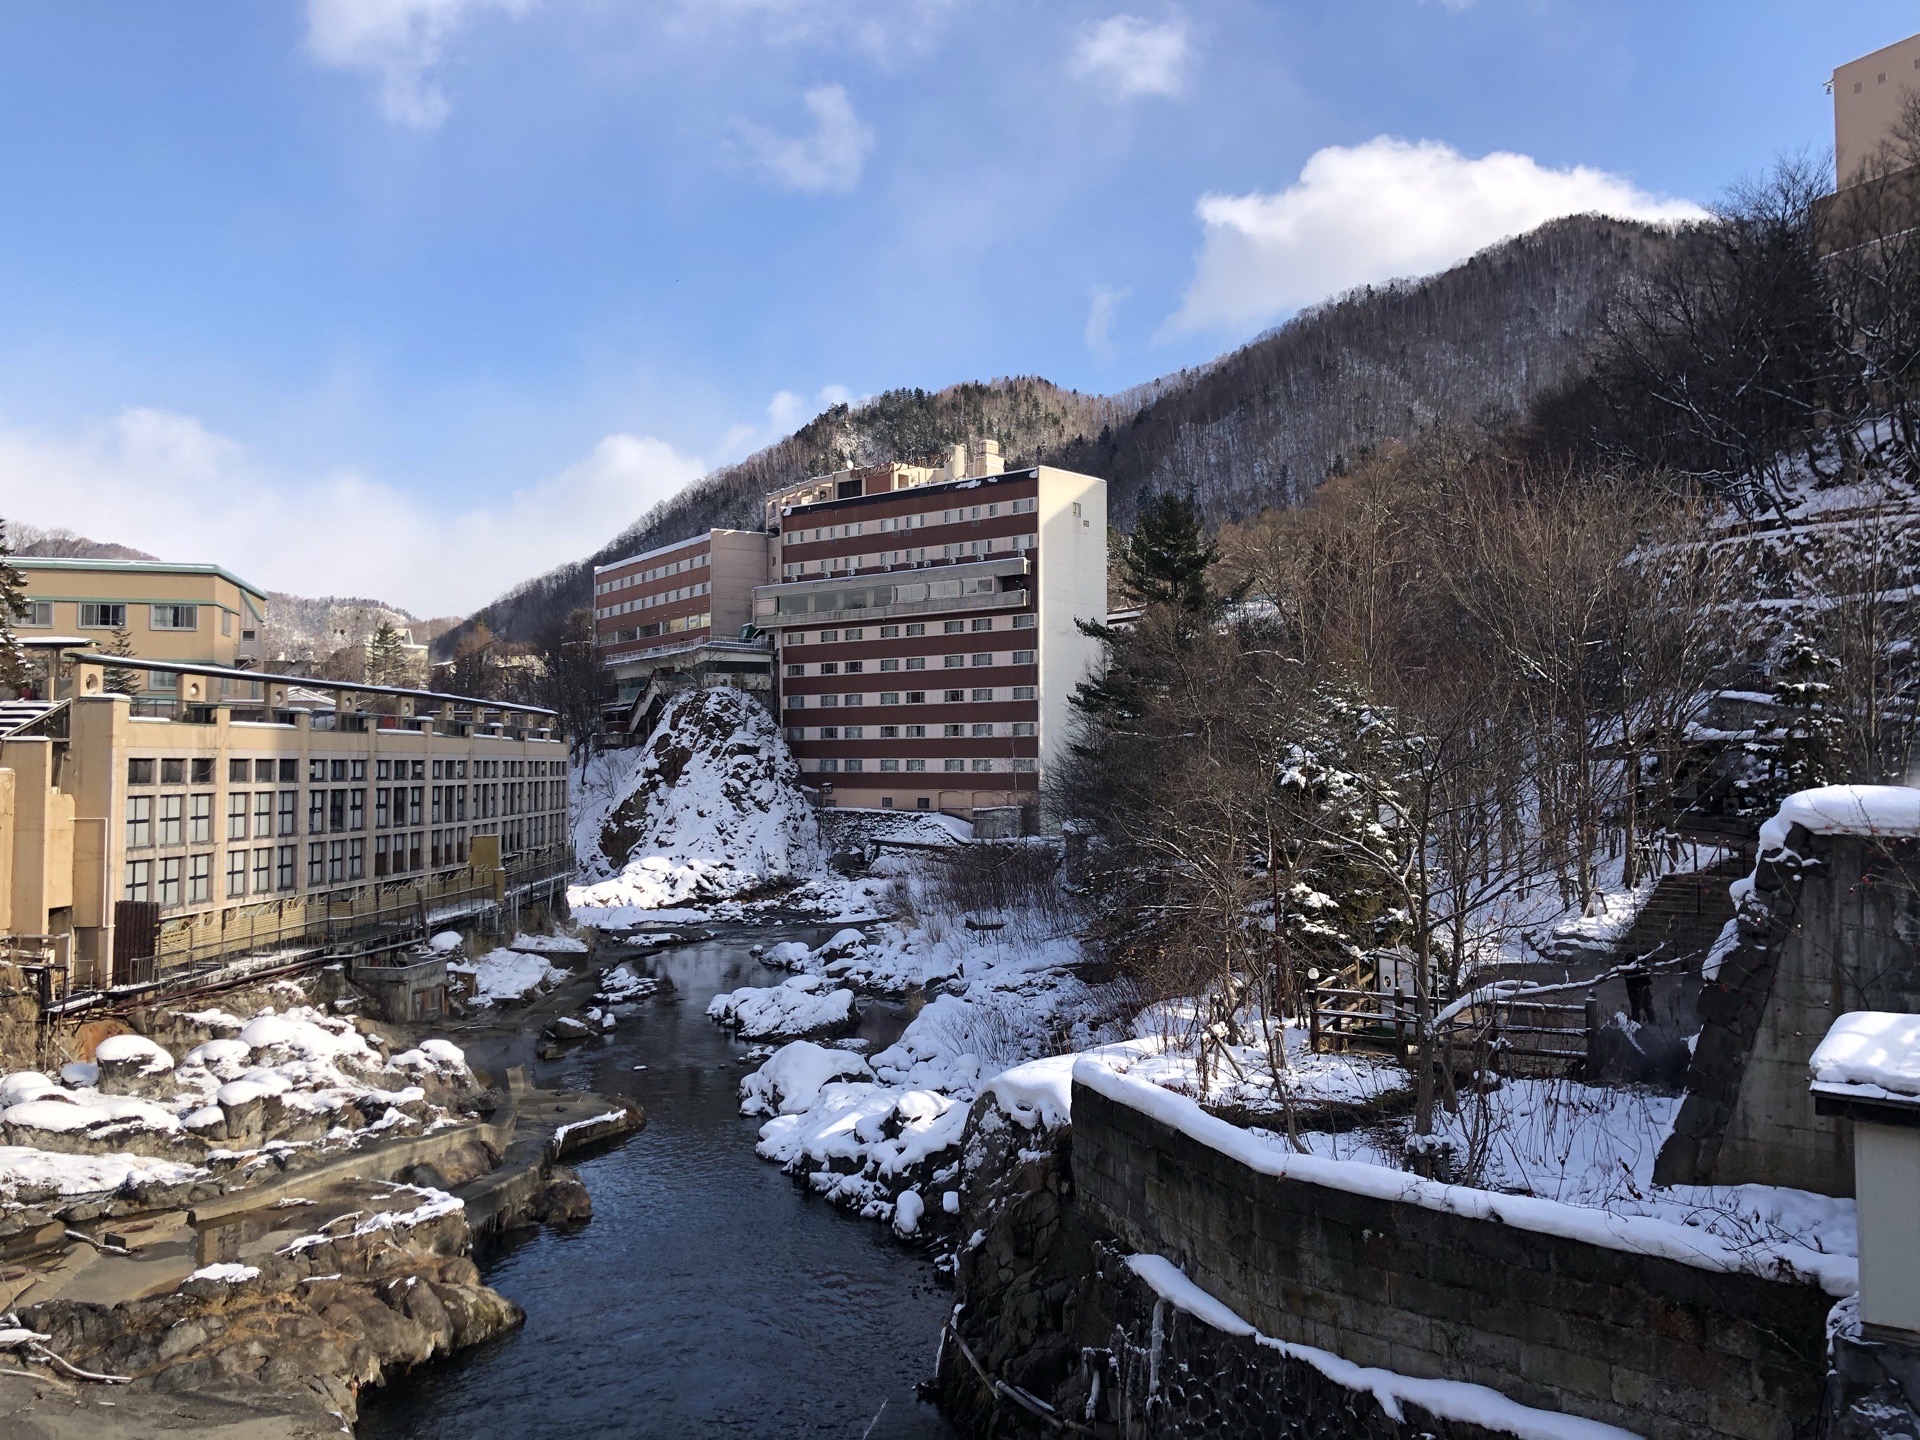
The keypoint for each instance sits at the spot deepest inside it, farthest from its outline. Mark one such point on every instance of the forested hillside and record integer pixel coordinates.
(1259, 427)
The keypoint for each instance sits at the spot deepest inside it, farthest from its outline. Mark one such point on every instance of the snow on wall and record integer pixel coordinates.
(1871, 1052)
(1838, 1275)
(710, 807)
(1886, 810)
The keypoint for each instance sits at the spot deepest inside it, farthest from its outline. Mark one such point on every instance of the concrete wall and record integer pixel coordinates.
(1657, 1347)
(1868, 95)
(1832, 925)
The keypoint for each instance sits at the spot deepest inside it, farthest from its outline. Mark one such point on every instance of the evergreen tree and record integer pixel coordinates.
(1168, 558)
(387, 656)
(1798, 750)
(120, 680)
(13, 606)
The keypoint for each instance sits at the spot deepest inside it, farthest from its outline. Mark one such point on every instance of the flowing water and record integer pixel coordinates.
(709, 1296)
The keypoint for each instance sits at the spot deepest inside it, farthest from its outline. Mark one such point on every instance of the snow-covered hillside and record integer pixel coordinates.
(711, 807)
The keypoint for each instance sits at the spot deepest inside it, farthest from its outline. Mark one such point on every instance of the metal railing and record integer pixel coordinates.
(1344, 1017)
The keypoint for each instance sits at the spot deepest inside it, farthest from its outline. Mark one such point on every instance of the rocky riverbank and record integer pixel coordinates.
(229, 1226)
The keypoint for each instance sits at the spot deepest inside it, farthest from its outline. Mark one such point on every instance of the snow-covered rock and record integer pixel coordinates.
(710, 807)
(801, 1006)
(791, 1080)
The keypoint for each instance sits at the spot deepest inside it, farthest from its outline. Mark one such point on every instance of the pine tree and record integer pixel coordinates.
(119, 679)
(13, 606)
(387, 656)
(1798, 751)
(1167, 559)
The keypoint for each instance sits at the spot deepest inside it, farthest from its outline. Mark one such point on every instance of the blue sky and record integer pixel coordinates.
(418, 297)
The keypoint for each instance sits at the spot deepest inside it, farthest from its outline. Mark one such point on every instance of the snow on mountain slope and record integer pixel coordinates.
(712, 806)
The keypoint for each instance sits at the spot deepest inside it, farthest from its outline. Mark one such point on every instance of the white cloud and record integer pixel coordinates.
(165, 483)
(827, 161)
(1102, 311)
(787, 411)
(1134, 57)
(1389, 208)
(400, 41)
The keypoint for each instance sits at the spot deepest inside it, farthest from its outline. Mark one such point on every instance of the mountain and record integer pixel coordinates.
(33, 540)
(1259, 427)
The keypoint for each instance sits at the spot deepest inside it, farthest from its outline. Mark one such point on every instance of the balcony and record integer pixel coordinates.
(836, 599)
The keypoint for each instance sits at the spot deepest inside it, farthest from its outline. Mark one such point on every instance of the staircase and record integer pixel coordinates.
(18, 714)
(1683, 916)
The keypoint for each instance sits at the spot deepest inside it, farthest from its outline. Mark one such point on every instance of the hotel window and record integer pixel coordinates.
(889, 697)
(983, 622)
(854, 635)
(889, 732)
(356, 859)
(262, 814)
(796, 702)
(203, 772)
(96, 615)
(831, 767)
(336, 810)
(853, 764)
(263, 870)
(382, 770)
(415, 797)
(916, 697)
(1023, 622)
(854, 732)
(316, 812)
(853, 699)
(139, 772)
(953, 732)
(289, 809)
(916, 629)
(829, 667)
(856, 667)
(286, 857)
(954, 627)
(953, 764)
(173, 772)
(794, 672)
(916, 764)
(174, 617)
(954, 696)
(289, 772)
(982, 763)
(236, 874)
(138, 886)
(1023, 657)
(1023, 727)
(984, 693)
(37, 615)
(953, 662)
(172, 874)
(199, 879)
(1023, 692)
(983, 659)
(336, 862)
(139, 821)
(1023, 767)
(316, 771)
(173, 810)
(829, 732)
(827, 635)
(889, 632)
(239, 772)
(916, 732)
(983, 728)
(237, 815)
(889, 765)
(357, 809)
(379, 856)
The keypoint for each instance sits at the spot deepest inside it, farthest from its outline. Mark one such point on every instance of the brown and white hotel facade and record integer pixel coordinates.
(925, 634)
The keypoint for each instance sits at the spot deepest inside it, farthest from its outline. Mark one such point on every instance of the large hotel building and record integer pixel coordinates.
(918, 624)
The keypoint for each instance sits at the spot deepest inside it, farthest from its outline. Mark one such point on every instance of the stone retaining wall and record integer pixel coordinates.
(1653, 1345)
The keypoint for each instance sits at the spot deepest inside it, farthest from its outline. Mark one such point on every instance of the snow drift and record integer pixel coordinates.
(711, 807)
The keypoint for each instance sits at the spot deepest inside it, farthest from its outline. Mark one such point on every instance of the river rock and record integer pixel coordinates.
(133, 1065)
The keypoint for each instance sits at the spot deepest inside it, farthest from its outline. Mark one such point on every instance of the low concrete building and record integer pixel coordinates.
(147, 835)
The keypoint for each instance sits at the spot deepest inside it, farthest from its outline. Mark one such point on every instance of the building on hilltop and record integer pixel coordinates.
(192, 614)
(925, 629)
(1869, 99)
(680, 615)
(149, 839)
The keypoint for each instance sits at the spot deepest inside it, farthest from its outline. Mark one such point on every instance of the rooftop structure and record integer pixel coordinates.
(1869, 96)
(974, 460)
(195, 613)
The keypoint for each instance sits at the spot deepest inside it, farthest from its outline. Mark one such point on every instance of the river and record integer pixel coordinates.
(709, 1296)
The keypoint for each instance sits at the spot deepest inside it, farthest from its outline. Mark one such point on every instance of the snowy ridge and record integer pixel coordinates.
(1838, 1275)
(1454, 1400)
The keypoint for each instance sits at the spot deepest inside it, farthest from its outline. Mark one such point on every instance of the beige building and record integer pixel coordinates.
(1869, 95)
(679, 615)
(195, 614)
(150, 836)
